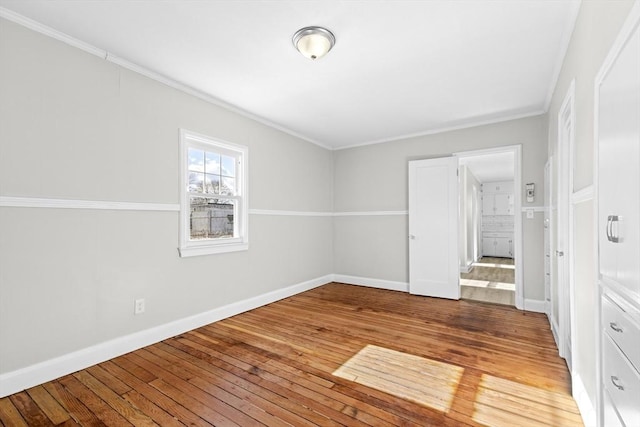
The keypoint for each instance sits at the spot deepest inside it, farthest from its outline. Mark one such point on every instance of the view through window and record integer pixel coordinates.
(213, 209)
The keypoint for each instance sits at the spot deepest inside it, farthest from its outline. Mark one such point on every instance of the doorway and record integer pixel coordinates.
(434, 183)
(490, 226)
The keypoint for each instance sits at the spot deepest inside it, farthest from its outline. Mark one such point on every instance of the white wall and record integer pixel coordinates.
(373, 179)
(74, 126)
(597, 25)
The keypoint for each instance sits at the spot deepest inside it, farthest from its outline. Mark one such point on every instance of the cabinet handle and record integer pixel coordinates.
(613, 381)
(610, 220)
(615, 327)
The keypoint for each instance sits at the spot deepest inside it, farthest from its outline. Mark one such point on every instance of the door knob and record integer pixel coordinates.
(559, 253)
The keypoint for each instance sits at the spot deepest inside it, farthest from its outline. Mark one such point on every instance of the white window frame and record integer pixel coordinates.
(240, 241)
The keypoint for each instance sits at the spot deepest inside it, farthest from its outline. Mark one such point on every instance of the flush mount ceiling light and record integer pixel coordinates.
(313, 42)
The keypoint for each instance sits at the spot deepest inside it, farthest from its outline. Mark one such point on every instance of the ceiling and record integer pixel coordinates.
(398, 69)
(492, 167)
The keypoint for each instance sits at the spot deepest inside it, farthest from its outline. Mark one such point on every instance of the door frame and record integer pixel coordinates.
(564, 226)
(516, 150)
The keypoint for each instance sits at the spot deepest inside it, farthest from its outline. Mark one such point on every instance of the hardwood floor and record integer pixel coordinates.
(335, 355)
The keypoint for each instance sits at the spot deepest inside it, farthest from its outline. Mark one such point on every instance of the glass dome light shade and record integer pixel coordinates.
(313, 42)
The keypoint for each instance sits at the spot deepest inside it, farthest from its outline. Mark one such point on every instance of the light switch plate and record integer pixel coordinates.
(530, 213)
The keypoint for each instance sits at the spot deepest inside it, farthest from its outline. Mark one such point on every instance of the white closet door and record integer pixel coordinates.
(619, 173)
(433, 228)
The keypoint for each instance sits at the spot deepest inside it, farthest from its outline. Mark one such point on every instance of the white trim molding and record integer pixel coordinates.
(43, 202)
(535, 305)
(449, 127)
(21, 379)
(585, 405)
(372, 283)
(533, 208)
(371, 213)
(287, 213)
(39, 202)
(584, 195)
(107, 56)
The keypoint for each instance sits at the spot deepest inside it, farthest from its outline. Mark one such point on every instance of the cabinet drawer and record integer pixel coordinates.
(622, 383)
(610, 414)
(624, 331)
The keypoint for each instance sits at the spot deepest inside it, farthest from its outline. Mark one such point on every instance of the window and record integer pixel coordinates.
(213, 196)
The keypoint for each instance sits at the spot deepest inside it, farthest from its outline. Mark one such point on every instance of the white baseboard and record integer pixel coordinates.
(537, 306)
(587, 410)
(466, 268)
(21, 379)
(372, 283)
(555, 331)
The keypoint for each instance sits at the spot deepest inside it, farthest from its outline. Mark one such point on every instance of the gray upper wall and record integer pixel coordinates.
(74, 126)
(89, 129)
(374, 178)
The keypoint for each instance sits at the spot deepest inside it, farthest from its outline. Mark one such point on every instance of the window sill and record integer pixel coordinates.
(186, 252)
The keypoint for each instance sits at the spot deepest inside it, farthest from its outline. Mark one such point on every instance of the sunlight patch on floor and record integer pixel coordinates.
(418, 379)
(487, 264)
(488, 284)
(501, 402)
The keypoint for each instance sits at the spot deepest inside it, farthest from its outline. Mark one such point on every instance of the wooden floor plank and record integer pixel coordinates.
(130, 413)
(99, 407)
(50, 406)
(9, 414)
(76, 409)
(335, 355)
(125, 370)
(208, 408)
(30, 410)
(294, 411)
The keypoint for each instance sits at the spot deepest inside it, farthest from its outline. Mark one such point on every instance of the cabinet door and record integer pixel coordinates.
(618, 171)
(610, 415)
(488, 246)
(503, 204)
(502, 247)
(488, 205)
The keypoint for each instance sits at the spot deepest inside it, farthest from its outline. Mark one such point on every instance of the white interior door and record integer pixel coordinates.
(562, 245)
(433, 228)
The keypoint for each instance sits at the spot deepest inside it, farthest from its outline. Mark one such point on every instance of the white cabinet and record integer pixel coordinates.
(619, 171)
(497, 245)
(497, 204)
(620, 379)
(497, 219)
(503, 204)
(618, 160)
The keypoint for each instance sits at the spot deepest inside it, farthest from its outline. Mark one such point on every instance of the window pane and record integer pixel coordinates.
(196, 160)
(228, 186)
(228, 166)
(211, 218)
(195, 182)
(212, 184)
(213, 163)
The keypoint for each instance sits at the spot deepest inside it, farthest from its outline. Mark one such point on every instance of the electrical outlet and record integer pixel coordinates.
(138, 306)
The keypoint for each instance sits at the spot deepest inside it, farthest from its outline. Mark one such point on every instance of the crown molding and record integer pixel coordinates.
(110, 57)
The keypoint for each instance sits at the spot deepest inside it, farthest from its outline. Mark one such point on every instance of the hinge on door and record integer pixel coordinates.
(457, 172)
